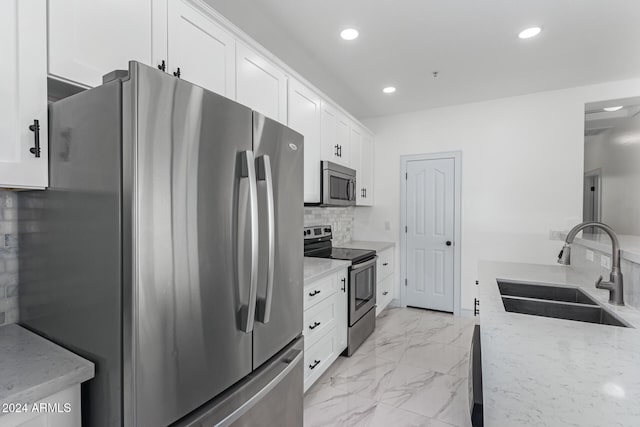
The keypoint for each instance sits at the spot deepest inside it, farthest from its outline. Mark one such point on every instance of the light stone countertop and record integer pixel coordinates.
(317, 268)
(540, 371)
(32, 368)
(363, 244)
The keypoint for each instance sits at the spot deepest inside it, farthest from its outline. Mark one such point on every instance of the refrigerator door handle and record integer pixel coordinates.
(249, 171)
(264, 174)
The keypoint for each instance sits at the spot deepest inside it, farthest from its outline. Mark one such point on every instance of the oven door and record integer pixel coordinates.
(338, 188)
(362, 289)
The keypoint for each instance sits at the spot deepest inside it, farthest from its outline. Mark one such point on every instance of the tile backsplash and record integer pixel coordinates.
(8, 257)
(340, 219)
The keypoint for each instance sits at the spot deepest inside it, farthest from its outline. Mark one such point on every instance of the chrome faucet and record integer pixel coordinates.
(614, 285)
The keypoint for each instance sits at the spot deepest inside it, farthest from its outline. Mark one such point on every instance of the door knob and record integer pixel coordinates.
(448, 243)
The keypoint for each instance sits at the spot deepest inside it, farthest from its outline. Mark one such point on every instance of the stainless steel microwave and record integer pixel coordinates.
(338, 185)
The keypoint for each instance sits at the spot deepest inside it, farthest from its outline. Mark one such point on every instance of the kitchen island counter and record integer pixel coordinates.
(540, 371)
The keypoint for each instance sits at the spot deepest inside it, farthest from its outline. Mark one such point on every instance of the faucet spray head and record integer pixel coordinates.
(564, 257)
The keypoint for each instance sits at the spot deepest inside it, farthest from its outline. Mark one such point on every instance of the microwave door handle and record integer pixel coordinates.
(248, 171)
(349, 190)
(264, 174)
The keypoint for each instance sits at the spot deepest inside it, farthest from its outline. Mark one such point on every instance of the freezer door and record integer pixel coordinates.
(279, 154)
(270, 396)
(195, 215)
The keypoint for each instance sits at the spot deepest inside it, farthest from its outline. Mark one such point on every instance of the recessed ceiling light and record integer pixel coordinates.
(389, 89)
(529, 32)
(349, 34)
(612, 109)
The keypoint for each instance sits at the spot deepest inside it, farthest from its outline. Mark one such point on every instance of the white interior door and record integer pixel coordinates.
(430, 218)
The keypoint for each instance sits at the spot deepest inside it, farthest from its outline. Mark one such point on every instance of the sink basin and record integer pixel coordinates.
(559, 302)
(559, 310)
(545, 292)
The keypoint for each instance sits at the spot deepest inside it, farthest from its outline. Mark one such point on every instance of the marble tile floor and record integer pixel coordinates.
(412, 371)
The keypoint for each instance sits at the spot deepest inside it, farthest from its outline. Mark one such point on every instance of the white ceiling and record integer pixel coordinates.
(597, 120)
(472, 43)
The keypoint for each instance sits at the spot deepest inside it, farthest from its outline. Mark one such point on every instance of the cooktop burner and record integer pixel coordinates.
(317, 244)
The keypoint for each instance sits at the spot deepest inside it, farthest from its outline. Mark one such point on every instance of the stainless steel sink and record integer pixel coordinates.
(545, 292)
(555, 301)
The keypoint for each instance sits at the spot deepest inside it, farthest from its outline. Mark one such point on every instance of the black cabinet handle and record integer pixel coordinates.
(365, 193)
(314, 293)
(385, 292)
(448, 243)
(315, 363)
(340, 151)
(476, 306)
(315, 325)
(385, 263)
(336, 147)
(162, 66)
(35, 128)
(177, 73)
(344, 284)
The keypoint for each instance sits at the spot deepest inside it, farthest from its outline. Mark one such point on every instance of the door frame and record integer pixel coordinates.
(457, 221)
(598, 201)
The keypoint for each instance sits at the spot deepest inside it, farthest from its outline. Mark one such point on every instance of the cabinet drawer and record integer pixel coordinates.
(319, 319)
(385, 263)
(318, 357)
(384, 294)
(319, 290)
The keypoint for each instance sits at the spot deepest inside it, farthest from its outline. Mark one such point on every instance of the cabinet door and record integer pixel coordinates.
(203, 52)
(23, 93)
(335, 135)
(343, 139)
(342, 321)
(260, 84)
(304, 117)
(88, 39)
(366, 169)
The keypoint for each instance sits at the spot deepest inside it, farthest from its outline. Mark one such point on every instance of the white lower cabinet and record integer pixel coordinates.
(325, 324)
(342, 317)
(385, 279)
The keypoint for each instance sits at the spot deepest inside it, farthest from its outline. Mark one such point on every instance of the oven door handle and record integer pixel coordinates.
(367, 264)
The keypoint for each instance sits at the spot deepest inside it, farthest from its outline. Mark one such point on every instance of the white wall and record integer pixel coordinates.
(522, 171)
(617, 153)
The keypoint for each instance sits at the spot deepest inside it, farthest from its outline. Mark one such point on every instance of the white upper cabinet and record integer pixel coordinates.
(305, 112)
(335, 135)
(90, 38)
(362, 161)
(260, 85)
(199, 50)
(23, 94)
(365, 173)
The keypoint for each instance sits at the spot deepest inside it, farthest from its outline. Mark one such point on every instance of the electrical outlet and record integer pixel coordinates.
(589, 255)
(605, 261)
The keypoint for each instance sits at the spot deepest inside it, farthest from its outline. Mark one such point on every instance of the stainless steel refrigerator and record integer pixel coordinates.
(167, 251)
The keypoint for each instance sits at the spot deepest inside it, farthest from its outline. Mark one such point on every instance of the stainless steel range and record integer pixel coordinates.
(362, 281)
